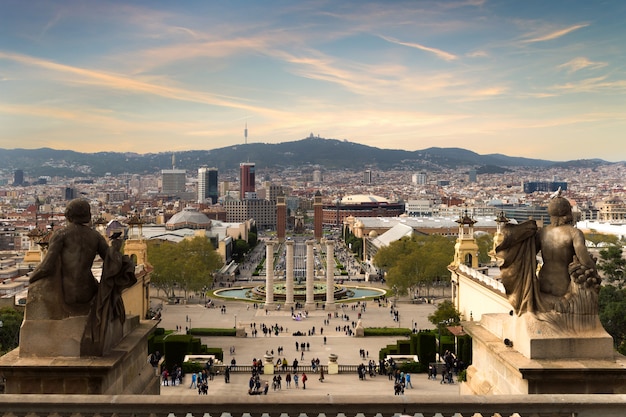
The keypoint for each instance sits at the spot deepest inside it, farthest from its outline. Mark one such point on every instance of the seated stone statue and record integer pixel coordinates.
(64, 298)
(565, 289)
(68, 261)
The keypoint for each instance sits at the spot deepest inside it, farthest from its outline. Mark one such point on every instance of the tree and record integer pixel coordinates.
(11, 320)
(418, 260)
(485, 245)
(445, 312)
(597, 238)
(188, 265)
(198, 262)
(161, 254)
(612, 264)
(240, 248)
(612, 309)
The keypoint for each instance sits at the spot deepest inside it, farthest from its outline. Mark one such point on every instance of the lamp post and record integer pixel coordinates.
(448, 321)
(235, 321)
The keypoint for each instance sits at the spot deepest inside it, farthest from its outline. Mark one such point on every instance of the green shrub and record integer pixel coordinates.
(386, 331)
(413, 367)
(203, 331)
(462, 376)
(192, 367)
(404, 347)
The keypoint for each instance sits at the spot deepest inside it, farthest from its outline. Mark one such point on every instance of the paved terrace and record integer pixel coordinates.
(337, 342)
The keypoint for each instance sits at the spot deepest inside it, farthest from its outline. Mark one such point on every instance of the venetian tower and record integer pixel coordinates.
(466, 248)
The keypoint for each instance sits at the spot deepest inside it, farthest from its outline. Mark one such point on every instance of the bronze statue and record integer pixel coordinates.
(564, 292)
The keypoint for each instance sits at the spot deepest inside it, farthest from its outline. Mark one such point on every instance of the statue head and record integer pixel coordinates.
(78, 211)
(560, 208)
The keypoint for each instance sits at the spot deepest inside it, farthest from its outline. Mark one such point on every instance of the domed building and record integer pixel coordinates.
(188, 218)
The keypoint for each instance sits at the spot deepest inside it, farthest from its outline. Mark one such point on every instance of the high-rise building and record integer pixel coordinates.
(207, 185)
(419, 178)
(18, 177)
(367, 177)
(173, 181)
(246, 180)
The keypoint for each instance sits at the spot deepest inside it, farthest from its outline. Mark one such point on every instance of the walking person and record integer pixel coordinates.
(295, 380)
(304, 379)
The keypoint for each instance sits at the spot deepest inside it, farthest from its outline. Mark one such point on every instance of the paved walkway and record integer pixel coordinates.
(346, 347)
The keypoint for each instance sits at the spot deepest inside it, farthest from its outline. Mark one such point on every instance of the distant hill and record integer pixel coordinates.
(309, 152)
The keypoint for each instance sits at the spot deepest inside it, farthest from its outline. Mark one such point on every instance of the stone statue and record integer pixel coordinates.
(68, 313)
(564, 292)
(69, 260)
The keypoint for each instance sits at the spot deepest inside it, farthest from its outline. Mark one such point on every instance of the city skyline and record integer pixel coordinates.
(545, 80)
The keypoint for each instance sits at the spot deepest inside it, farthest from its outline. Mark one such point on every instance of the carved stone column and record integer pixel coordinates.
(269, 273)
(310, 275)
(330, 274)
(289, 273)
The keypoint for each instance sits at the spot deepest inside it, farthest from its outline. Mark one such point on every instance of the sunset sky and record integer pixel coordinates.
(535, 78)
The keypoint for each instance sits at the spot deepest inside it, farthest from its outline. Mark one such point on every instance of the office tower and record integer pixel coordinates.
(246, 180)
(207, 185)
(173, 181)
(472, 175)
(318, 216)
(419, 178)
(317, 176)
(18, 177)
(70, 193)
(367, 177)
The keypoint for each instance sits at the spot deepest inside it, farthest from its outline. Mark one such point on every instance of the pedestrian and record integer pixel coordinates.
(304, 378)
(321, 374)
(193, 381)
(288, 380)
(295, 380)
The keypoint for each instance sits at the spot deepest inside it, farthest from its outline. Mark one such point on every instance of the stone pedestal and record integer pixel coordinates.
(333, 366)
(268, 365)
(516, 355)
(124, 370)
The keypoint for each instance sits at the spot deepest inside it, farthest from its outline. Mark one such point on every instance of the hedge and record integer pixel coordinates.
(386, 331)
(203, 331)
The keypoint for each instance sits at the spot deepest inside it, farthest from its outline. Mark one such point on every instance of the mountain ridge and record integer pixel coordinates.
(324, 153)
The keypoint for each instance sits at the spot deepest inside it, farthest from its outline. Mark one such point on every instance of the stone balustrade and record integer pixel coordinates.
(605, 405)
(485, 279)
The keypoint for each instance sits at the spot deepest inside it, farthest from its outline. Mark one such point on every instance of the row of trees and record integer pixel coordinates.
(415, 261)
(187, 266)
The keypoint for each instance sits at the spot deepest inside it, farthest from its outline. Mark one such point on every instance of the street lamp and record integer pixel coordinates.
(235, 322)
(448, 321)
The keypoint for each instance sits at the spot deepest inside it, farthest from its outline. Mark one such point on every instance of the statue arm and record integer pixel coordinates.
(580, 249)
(50, 261)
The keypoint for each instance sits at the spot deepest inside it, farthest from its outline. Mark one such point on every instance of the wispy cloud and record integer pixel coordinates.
(594, 84)
(580, 63)
(438, 52)
(555, 34)
(120, 82)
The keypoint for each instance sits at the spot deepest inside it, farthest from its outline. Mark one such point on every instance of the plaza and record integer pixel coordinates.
(347, 348)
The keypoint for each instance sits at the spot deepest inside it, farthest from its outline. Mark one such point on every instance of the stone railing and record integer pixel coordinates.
(605, 405)
(485, 279)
